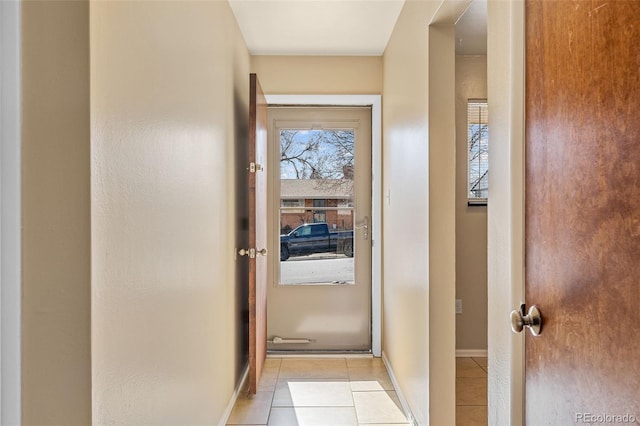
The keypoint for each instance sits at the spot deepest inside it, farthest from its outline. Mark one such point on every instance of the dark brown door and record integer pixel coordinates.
(583, 211)
(257, 232)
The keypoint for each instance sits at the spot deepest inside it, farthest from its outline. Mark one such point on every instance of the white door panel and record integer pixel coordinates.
(320, 292)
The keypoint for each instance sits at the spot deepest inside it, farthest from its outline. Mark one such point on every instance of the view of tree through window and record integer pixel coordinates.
(316, 154)
(478, 143)
(316, 206)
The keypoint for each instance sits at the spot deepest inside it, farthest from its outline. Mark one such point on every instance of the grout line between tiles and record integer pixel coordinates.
(353, 400)
(279, 378)
(477, 363)
(273, 397)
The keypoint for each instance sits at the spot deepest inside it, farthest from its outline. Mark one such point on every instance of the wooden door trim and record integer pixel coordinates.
(375, 102)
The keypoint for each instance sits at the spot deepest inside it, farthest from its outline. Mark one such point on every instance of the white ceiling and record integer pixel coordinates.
(471, 30)
(316, 27)
(338, 27)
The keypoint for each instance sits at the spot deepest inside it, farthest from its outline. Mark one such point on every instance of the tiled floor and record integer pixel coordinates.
(471, 391)
(347, 391)
(321, 392)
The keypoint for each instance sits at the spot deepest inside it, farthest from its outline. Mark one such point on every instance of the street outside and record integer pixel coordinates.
(317, 269)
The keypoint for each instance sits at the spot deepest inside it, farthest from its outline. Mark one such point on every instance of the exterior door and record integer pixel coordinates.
(257, 232)
(321, 292)
(583, 211)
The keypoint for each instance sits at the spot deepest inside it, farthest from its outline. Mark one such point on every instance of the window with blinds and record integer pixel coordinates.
(478, 152)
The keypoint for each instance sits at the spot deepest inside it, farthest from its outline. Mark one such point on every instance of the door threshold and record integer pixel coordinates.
(318, 354)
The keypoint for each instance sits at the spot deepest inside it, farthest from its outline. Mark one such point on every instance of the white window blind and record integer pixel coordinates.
(478, 150)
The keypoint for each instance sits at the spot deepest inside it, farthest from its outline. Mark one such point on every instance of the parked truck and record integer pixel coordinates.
(313, 238)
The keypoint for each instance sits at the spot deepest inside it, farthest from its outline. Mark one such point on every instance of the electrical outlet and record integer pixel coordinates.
(458, 306)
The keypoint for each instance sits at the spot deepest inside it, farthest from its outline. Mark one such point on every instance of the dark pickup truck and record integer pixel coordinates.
(315, 238)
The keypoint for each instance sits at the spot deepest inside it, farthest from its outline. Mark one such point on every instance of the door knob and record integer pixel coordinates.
(252, 252)
(247, 252)
(521, 319)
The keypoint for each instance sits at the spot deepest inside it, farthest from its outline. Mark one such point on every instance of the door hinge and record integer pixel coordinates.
(254, 167)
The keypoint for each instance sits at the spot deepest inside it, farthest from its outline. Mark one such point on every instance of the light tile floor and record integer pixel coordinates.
(471, 391)
(347, 391)
(321, 392)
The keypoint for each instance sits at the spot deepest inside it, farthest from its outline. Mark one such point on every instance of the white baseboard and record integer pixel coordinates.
(403, 401)
(234, 397)
(467, 353)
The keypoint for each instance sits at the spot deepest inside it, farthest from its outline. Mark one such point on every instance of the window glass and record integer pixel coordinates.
(316, 186)
(319, 215)
(478, 151)
(305, 231)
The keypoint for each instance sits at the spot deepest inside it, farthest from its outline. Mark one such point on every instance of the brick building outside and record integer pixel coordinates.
(316, 200)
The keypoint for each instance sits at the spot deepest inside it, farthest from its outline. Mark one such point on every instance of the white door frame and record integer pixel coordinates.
(375, 102)
(10, 259)
(506, 96)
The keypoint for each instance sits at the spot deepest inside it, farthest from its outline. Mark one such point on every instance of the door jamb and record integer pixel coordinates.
(10, 213)
(375, 102)
(506, 238)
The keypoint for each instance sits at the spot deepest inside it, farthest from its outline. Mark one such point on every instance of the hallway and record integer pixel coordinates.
(132, 209)
(321, 392)
(347, 391)
(471, 391)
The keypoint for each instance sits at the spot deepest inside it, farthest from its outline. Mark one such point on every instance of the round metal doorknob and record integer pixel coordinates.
(252, 252)
(532, 320)
(516, 321)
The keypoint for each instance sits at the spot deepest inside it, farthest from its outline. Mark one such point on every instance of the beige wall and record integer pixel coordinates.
(419, 219)
(169, 85)
(442, 241)
(471, 221)
(319, 74)
(56, 287)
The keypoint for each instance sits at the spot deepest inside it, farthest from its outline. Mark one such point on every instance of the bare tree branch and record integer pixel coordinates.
(327, 154)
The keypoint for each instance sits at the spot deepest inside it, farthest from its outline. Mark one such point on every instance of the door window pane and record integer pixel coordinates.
(316, 207)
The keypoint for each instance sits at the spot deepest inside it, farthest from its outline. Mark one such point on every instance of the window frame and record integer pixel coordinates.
(476, 201)
(291, 205)
(319, 215)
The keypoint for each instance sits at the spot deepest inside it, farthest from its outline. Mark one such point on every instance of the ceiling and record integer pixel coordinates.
(471, 30)
(337, 27)
(316, 27)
